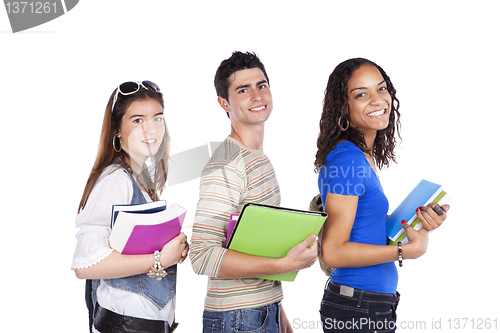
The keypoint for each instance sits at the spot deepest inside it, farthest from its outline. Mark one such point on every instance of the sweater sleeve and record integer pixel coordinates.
(221, 189)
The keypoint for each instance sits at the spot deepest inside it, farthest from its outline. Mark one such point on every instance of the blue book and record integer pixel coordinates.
(423, 194)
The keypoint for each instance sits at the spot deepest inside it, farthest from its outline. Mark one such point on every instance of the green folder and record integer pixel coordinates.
(271, 231)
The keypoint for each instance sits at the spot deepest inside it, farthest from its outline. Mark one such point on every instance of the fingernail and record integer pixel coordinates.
(403, 221)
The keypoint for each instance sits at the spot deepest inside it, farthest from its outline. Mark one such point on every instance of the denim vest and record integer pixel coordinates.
(158, 292)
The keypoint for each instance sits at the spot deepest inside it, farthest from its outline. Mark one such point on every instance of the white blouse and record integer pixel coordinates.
(113, 188)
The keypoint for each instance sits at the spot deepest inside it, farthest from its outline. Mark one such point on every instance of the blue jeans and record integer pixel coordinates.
(264, 319)
(354, 310)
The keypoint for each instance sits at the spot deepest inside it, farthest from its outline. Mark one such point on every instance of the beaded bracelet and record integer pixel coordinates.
(400, 255)
(157, 271)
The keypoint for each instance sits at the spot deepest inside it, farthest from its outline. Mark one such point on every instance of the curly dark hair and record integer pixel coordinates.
(335, 107)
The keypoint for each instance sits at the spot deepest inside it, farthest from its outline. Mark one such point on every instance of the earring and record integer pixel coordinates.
(114, 139)
(342, 128)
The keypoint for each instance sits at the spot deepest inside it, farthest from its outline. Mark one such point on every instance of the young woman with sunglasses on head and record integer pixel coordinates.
(130, 168)
(357, 135)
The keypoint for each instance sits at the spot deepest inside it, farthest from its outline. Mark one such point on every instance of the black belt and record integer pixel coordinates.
(106, 321)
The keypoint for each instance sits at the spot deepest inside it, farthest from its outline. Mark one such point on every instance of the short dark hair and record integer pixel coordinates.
(237, 62)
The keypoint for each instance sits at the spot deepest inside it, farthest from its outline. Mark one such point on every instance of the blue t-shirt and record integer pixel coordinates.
(348, 172)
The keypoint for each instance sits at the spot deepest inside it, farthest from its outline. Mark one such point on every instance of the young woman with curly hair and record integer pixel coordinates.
(357, 134)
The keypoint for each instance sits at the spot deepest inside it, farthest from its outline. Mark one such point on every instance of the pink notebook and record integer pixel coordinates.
(232, 222)
(136, 233)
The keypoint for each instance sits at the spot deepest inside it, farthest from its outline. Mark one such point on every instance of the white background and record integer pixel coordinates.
(442, 57)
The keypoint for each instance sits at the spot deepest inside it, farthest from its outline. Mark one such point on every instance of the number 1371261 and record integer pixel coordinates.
(473, 323)
(30, 7)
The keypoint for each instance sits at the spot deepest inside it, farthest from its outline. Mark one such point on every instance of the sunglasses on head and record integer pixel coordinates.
(130, 87)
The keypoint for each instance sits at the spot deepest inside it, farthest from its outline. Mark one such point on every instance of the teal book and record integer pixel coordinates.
(423, 194)
(271, 231)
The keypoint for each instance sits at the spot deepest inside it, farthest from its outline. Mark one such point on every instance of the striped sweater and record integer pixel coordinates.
(234, 176)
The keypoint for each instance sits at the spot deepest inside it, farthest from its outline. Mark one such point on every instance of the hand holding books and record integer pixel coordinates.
(302, 255)
(277, 232)
(417, 242)
(147, 228)
(419, 239)
(175, 251)
(425, 193)
(412, 237)
(432, 216)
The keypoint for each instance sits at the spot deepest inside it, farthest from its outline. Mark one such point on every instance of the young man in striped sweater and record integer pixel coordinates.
(239, 172)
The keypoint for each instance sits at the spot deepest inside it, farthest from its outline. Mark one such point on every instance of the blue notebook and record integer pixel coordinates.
(423, 194)
(147, 208)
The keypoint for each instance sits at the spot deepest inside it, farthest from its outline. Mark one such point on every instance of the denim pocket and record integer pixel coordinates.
(213, 325)
(385, 321)
(264, 319)
(254, 321)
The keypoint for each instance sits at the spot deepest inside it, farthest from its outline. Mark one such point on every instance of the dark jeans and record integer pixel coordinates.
(353, 310)
(264, 319)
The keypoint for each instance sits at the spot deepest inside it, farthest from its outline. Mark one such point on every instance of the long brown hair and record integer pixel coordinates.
(335, 108)
(153, 178)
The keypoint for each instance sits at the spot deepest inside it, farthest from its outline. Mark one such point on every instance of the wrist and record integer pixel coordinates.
(407, 251)
(412, 251)
(166, 259)
(284, 265)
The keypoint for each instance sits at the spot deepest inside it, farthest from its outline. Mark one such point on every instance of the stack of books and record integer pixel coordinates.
(144, 228)
(423, 194)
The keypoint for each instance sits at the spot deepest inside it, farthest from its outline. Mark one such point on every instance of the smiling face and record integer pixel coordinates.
(249, 98)
(369, 102)
(142, 129)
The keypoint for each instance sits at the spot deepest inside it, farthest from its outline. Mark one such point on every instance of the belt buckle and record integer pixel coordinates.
(346, 291)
